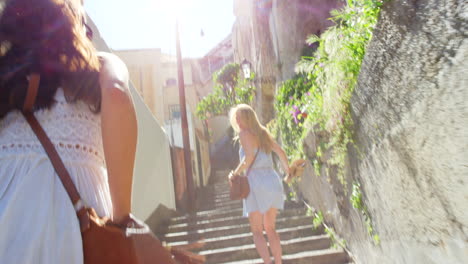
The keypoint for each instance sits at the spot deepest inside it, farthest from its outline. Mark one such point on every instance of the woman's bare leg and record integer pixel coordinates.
(269, 221)
(256, 226)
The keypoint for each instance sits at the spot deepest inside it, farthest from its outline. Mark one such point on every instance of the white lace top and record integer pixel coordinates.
(73, 128)
(30, 190)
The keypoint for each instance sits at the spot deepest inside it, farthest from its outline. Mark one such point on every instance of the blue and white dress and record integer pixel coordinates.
(266, 187)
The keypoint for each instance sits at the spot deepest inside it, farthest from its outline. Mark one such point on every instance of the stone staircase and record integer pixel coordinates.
(219, 223)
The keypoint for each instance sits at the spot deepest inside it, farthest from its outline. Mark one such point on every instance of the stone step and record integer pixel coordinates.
(221, 188)
(226, 235)
(326, 256)
(292, 246)
(221, 194)
(231, 206)
(211, 214)
(220, 201)
(220, 191)
(222, 184)
(246, 238)
(221, 206)
(222, 198)
(231, 230)
(206, 215)
(223, 221)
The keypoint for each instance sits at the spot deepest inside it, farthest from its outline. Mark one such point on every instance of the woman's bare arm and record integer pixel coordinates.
(282, 155)
(119, 132)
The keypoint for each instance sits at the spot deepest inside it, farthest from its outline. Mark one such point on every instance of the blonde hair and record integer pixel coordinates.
(250, 119)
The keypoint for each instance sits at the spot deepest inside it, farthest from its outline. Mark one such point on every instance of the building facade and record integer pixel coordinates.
(153, 183)
(155, 77)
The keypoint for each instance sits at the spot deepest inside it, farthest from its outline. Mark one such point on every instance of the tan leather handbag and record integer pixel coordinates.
(105, 242)
(239, 187)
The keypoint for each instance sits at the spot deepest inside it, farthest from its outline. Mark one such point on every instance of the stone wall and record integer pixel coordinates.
(410, 110)
(292, 22)
(271, 35)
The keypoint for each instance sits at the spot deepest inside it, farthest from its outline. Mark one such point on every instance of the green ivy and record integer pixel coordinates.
(290, 114)
(358, 203)
(336, 241)
(229, 89)
(318, 219)
(325, 82)
(319, 95)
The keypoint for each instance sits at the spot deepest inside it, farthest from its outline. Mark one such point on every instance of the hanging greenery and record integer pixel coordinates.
(230, 89)
(318, 97)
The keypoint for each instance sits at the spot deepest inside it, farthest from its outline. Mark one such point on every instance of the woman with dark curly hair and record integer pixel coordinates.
(84, 105)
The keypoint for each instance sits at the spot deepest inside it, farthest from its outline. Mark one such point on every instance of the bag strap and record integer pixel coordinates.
(31, 93)
(251, 164)
(54, 157)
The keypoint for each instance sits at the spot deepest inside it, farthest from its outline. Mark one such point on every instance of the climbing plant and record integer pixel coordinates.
(318, 97)
(290, 114)
(229, 90)
(358, 203)
(320, 93)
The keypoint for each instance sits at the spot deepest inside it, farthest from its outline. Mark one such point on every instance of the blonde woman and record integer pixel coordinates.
(266, 189)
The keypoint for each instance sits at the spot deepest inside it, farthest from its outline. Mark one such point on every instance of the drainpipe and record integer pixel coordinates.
(185, 132)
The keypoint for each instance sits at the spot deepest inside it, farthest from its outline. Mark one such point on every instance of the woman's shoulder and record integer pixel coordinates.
(246, 134)
(248, 137)
(109, 57)
(113, 70)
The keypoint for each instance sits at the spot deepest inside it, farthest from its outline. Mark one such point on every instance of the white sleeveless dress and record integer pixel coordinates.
(38, 223)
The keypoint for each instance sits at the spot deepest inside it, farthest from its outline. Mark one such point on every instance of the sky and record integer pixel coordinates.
(140, 24)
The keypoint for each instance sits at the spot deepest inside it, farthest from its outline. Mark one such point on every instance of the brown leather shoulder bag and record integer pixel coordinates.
(239, 187)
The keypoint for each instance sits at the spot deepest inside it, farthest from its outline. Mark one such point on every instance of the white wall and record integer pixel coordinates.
(152, 181)
(218, 126)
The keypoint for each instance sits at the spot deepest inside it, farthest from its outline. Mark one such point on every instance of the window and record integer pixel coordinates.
(171, 82)
(174, 111)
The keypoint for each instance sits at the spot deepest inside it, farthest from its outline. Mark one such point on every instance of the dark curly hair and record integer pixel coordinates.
(46, 37)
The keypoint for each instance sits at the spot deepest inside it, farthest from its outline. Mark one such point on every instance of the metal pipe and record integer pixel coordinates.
(184, 124)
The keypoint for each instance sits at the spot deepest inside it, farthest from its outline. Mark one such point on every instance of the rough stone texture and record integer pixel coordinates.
(411, 124)
(252, 41)
(264, 58)
(292, 22)
(271, 35)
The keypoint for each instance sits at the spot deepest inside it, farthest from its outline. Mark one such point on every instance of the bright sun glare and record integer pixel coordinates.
(174, 8)
(188, 19)
(151, 23)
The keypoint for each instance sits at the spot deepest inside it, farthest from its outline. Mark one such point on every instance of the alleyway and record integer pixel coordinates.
(219, 223)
